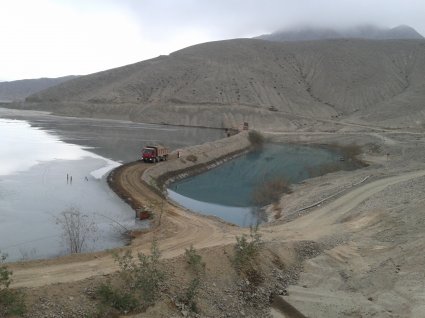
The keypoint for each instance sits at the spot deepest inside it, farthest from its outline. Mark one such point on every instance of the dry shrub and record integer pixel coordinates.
(323, 169)
(270, 191)
(349, 151)
(256, 139)
(77, 229)
(192, 158)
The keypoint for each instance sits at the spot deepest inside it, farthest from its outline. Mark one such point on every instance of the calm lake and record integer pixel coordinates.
(227, 191)
(40, 153)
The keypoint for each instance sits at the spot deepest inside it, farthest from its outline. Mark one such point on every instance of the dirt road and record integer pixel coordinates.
(324, 220)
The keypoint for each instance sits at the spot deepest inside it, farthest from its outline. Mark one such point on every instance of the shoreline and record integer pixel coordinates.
(156, 177)
(347, 226)
(195, 160)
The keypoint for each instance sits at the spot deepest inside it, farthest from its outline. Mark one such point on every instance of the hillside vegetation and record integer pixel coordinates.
(221, 84)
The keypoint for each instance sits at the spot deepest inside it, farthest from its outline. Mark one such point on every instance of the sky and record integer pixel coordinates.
(52, 38)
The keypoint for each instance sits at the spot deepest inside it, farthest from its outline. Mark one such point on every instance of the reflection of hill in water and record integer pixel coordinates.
(232, 183)
(122, 141)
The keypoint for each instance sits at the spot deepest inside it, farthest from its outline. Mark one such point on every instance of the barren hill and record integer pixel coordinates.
(265, 83)
(19, 90)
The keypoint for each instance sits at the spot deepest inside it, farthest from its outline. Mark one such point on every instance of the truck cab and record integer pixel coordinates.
(154, 153)
(149, 154)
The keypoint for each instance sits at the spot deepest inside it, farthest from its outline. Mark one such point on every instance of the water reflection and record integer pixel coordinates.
(122, 140)
(37, 155)
(41, 176)
(243, 216)
(227, 191)
(23, 147)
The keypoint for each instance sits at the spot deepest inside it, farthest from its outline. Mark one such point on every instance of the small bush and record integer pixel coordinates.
(191, 292)
(256, 139)
(12, 302)
(192, 158)
(246, 250)
(194, 260)
(270, 191)
(139, 282)
(349, 151)
(198, 268)
(144, 275)
(5, 273)
(123, 301)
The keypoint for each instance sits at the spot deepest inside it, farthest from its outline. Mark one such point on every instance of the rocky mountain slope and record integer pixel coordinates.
(19, 90)
(268, 84)
(401, 32)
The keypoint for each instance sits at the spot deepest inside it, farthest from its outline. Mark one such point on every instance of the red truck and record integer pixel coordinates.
(154, 153)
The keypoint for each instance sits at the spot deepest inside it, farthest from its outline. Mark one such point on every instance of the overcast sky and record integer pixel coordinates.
(51, 38)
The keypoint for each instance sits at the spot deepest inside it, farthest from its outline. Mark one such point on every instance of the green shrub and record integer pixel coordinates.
(190, 294)
(5, 273)
(138, 285)
(123, 301)
(12, 302)
(197, 267)
(246, 250)
(194, 260)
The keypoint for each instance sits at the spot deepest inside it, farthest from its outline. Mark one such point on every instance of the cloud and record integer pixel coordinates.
(62, 37)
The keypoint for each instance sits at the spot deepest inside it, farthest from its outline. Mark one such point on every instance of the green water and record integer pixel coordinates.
(231, 185)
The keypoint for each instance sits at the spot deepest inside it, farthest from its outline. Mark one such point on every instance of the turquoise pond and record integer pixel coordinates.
(226, 191)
